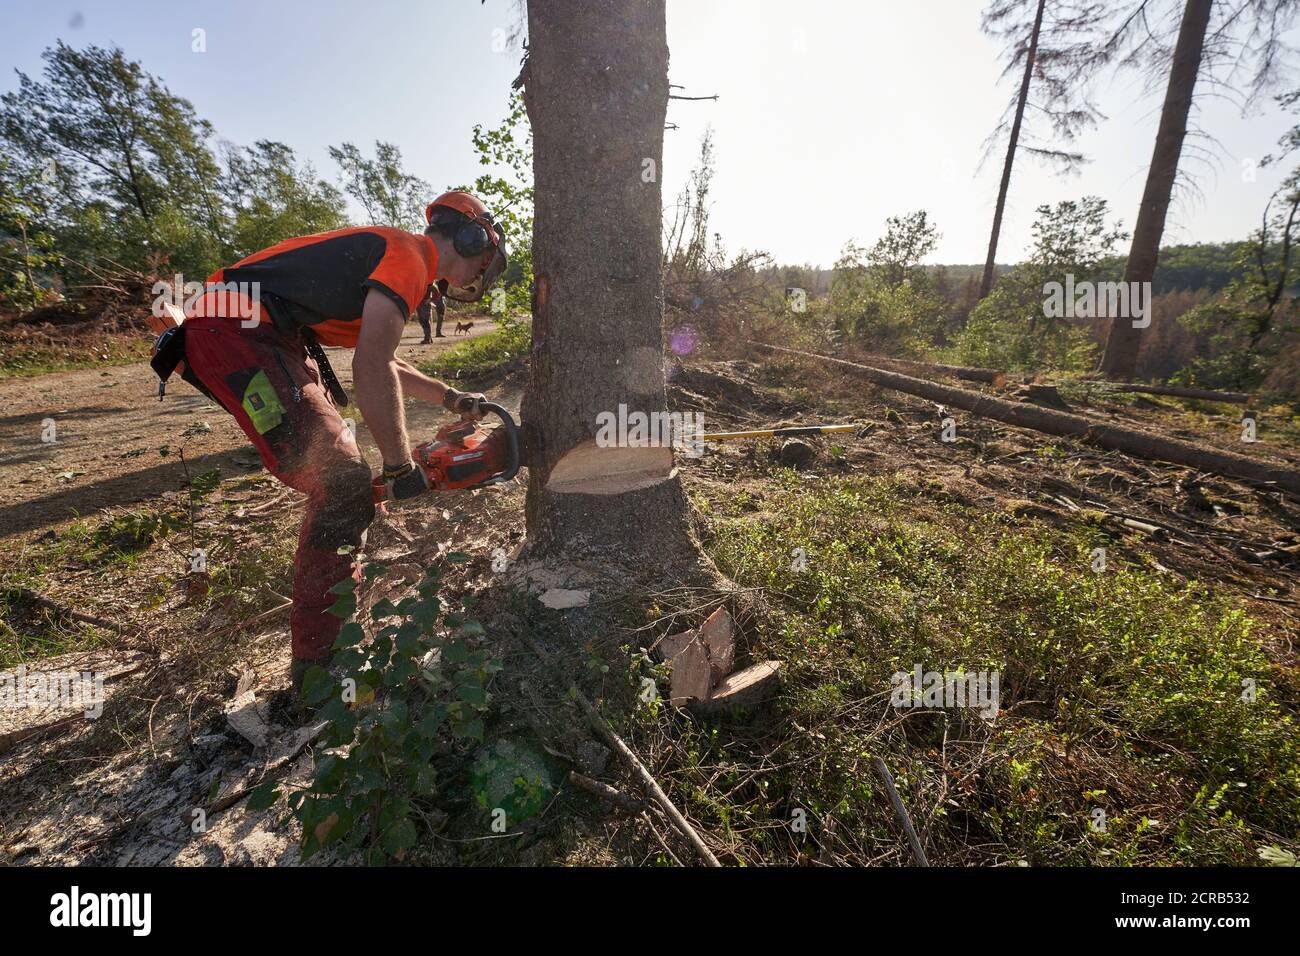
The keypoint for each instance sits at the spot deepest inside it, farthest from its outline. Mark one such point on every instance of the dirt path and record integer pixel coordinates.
(109, 427)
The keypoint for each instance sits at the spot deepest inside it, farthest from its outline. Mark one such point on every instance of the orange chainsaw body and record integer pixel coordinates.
(460, 456)
(464, 454)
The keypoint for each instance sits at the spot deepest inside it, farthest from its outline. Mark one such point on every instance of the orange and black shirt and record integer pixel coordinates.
(322, 281)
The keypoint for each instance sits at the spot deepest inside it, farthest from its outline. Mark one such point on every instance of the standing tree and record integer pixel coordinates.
(1050, 38)
(25, 248)
(389, 194)
(120, 164)
(272, 197)
(1215, 40)
(596, 89)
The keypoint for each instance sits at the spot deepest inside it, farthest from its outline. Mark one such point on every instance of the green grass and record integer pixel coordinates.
(1121, 690)
(511, 339)
(24, 361)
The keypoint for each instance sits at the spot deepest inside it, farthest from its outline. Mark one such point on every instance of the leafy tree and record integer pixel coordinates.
(507, 188)
(882, 293)
(26, 249)
(897, 254)
(1252, 322)
(1011, 328)
(389, 195)
(272, 198)
(106, 142)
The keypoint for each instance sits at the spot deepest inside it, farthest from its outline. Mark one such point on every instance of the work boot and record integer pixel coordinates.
(426, 341)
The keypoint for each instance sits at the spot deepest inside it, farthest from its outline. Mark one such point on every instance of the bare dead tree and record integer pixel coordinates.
(1045, 41)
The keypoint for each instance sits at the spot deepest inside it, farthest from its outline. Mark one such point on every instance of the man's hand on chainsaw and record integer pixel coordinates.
(402, 481)
(464, 404)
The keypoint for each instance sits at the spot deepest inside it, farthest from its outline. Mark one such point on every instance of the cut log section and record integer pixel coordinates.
(746, 688)
(1128, 440)
(718, 635)
(692, 677)
(668, 647)
(591, 470)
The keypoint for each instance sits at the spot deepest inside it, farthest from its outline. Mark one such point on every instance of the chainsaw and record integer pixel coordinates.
(466, 455)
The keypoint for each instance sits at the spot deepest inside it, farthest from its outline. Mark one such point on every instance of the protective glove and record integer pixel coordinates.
(403, 481)
(464, 404)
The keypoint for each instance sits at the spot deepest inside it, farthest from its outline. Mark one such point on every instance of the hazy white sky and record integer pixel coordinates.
(832, 115)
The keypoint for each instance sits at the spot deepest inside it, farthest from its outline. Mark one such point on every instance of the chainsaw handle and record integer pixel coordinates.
(512, 433)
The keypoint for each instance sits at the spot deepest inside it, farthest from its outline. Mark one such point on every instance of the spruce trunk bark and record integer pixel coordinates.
(596, 91)
(1122, 344)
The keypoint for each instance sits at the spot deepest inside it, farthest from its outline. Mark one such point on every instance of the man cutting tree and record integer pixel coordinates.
(260, 357)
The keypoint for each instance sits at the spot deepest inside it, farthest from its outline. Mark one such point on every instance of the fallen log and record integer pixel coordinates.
(1239, 398)
(1131, 441)
(990, 376)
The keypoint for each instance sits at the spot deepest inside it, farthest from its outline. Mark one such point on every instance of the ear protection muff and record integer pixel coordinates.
(471, 239)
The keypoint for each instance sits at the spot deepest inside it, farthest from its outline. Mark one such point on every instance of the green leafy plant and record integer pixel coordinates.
(390, 700)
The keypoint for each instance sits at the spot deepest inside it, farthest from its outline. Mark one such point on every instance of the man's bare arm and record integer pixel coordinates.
(418, 385)
(375, 376)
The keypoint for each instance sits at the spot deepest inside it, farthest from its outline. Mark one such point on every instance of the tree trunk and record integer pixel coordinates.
(986, 283)
(596, 91)
(1122, 345)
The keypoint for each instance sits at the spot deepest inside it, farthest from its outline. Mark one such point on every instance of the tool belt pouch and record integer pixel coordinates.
(168, 352)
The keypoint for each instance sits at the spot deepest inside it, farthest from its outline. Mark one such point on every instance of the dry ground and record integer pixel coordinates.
(123, 789)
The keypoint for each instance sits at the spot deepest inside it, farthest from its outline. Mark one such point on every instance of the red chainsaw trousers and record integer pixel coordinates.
(266, 380)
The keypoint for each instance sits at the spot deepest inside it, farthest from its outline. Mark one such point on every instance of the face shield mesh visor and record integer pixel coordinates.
(495, 267)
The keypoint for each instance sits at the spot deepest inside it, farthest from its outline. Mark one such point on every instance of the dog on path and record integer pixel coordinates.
(464, 327)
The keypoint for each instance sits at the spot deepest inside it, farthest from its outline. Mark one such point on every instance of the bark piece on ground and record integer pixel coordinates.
(692, 677)
(1046, 395)
(558, 599)
(719, 636)
(52, 694)
(750, 687)
(592, 470)
(245, 714)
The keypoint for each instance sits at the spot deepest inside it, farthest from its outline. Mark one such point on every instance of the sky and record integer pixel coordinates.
(831, 115)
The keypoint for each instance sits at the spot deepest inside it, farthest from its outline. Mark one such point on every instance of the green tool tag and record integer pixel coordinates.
(262, 404)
